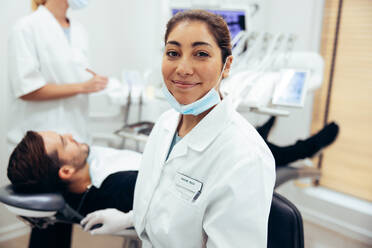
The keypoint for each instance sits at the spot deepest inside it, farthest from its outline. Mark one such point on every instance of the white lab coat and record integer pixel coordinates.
(235, 169)
(40, 53)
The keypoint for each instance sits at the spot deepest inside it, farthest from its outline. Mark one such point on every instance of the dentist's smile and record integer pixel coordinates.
(183, 84)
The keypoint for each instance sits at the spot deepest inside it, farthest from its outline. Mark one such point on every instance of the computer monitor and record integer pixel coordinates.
(235, 19)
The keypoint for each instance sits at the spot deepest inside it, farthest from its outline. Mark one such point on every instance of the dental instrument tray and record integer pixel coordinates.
(138, 131)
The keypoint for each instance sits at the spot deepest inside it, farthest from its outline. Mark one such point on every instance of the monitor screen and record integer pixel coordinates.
(291, 88)
(235, 19)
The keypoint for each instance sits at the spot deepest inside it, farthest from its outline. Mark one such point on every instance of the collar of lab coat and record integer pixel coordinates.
(68, 45)
(46, 13)
(202, 135)
(57, 26)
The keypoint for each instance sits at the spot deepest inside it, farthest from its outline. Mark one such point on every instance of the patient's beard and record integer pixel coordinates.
(81, 162)
(86, 150)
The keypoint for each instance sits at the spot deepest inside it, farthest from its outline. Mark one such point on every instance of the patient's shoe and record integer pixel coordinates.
(322, 139)
(264, 130)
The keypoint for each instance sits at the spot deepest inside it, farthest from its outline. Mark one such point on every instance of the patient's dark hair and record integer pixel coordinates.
(31, 169)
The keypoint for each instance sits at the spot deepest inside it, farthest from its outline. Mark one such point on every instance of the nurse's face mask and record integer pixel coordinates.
(78, 4)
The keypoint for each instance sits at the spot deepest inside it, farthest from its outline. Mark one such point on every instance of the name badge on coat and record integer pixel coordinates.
(188, 188)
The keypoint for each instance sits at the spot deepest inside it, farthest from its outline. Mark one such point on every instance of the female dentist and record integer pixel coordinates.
(206, 177)
(49, 78)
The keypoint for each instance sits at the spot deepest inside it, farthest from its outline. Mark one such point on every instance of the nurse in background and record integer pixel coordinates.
(207, 177)
(50, 81)
(49, 72)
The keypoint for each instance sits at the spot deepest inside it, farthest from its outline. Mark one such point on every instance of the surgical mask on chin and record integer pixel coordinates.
(77, 4)
(206, 102)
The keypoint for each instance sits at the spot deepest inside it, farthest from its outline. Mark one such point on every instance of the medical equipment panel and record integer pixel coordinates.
(291, 88)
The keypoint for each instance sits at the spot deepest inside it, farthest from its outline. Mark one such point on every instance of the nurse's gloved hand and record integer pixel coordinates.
(112, 220)
(96, 83)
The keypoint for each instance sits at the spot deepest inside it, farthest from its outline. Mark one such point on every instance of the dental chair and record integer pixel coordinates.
(285, 229)
(42, 210)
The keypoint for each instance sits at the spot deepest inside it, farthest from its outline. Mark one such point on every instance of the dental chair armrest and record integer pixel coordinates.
(129, 232)
(285, 174)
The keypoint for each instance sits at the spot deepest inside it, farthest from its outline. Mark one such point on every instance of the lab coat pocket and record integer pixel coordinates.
(178, 217)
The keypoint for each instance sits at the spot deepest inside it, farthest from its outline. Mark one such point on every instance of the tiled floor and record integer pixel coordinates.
(80, 239)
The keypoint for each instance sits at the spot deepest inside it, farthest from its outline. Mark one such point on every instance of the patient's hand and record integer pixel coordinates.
(112, 220)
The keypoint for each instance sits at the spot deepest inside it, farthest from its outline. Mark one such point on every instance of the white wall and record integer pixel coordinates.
(122, 34)
(9, 13)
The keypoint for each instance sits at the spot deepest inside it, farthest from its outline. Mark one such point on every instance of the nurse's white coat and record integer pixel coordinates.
(236, 169)
(40, 53)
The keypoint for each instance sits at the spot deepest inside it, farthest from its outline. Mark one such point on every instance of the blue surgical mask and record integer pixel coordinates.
(77, 4)
(206, 102)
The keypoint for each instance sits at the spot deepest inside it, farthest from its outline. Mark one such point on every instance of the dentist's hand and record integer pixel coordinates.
(96, 83)
(112, 221)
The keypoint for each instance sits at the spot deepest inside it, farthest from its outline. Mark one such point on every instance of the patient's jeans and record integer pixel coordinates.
(284, 155)
(58, 236)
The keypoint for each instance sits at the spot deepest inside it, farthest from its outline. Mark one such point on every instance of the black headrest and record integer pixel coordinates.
(39, 202)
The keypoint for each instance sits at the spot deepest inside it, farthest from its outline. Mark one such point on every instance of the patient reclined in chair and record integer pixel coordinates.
(43, 209)
(88, 179)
